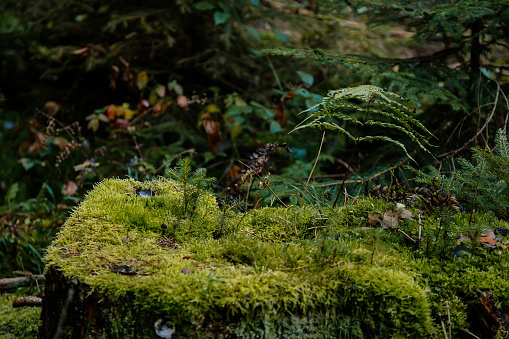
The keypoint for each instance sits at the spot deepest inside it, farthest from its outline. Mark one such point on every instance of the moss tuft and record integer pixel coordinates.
(18, 322)
(275, 271)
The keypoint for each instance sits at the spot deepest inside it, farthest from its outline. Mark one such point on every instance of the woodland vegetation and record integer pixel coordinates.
(323, 103)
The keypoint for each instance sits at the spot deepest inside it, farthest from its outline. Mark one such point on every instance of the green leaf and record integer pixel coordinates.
(141, 80)
(204, 5)
(253, 32)
(306, 78)
(275, 127)
(220, 17)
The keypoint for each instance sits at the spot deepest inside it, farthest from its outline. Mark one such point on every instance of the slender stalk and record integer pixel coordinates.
(311, 174)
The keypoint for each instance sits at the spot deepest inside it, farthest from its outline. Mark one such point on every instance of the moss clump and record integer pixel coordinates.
(273, 271)
(270, 269)
(18, 322)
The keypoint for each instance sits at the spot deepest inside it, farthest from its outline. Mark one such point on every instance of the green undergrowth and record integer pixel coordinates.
(17, 322)
(275, 263)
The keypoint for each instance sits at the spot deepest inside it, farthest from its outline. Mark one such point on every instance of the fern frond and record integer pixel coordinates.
(10, 196)
(380, 108)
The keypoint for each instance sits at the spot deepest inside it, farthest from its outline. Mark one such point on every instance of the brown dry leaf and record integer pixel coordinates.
(82, 51)
(182, 102)
(69, 188)
(111, 111)
(463, 238)
(288, 96)
(489, 241)
(280, 115)
(213, 132)
(52, 107)
(373, 218)
(403, 212)
(60, 142)
(489, 233)
(389, 219)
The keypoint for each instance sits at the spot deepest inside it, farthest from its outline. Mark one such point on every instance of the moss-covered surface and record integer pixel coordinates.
(18, 322)
(274, 272)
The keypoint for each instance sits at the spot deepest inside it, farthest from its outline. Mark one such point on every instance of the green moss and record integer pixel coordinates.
(18, 322)
(272, 269)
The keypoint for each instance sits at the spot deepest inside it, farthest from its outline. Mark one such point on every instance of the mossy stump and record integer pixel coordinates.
(138, 260)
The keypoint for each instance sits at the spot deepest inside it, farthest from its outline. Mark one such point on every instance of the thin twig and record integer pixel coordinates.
(191, 150)
(447, 308)
(9, 283)
(406, 235)
(270, 189)
(454, 152)
(443, 329)
(310, 174)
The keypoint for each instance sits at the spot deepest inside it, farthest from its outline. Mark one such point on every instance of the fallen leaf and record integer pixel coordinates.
(491, 243)
(160, 90)
(182, 102)
(389, 219)
(403, 212)
(213, 132)
(82, 51)
(60, 142)
(280, 115)
(373, 218)
(69, 188)
(288, 96)
(52, 107)
(489, 233)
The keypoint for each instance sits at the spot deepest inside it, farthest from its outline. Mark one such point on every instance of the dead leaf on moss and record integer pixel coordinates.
(486, 241)
(403, 212)
(373, 218)
(389, 219)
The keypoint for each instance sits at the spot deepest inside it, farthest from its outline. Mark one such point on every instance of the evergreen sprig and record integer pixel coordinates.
(192, 183)
(486, 177)
(415, 82)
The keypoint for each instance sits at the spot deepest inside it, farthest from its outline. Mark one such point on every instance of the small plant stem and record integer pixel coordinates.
(274, 73)
(247, 194)
(160, 168)
(420, 229)
(270, 189)
(348, 168)
(443, 329)
(476, 188)
(447, 308)
(406, 235)
(311, 174)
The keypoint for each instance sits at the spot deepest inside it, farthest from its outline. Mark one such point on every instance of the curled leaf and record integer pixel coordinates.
(213, 132)
(280, 115)
(141, 80)
(389, 220)
(182, 102)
